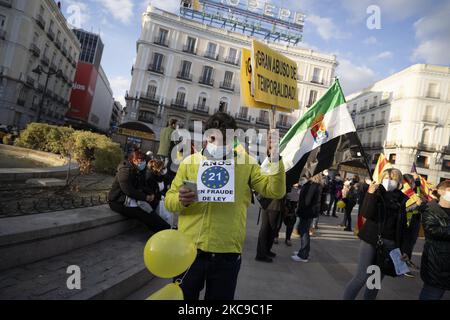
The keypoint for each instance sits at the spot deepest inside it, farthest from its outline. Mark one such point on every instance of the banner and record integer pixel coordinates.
(274, 77)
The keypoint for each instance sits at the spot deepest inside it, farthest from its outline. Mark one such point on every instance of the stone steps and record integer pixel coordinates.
(27, 239)
(110, 269)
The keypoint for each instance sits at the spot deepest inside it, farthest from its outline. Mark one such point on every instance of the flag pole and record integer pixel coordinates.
(363, 153)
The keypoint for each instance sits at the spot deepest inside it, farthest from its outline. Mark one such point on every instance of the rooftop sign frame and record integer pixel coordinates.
(253, 18)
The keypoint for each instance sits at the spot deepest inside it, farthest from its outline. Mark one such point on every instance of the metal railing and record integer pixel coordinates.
(206, 81)
(184, 76)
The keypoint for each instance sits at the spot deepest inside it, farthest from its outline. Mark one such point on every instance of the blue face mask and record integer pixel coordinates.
(141, 166)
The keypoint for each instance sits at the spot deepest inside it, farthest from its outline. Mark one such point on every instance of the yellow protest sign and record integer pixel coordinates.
(247, 99)
(274, 77)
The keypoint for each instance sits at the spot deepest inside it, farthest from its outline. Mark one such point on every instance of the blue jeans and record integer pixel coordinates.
(431, 293)
(303, 230)
(219, 271)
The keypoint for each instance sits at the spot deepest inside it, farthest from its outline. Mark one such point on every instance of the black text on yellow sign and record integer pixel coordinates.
(274, 77)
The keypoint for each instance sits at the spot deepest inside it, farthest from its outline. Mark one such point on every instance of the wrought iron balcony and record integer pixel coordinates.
(189, 49)
(158, 68)
(232, 60)
(242, 117)
(161, 41)
(206, 81)
(184, 76)
(179, 104)
(227, 85)
(211, 55)
(200, 108)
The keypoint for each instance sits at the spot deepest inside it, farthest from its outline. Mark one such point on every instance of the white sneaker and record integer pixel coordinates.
(298, 259)
(295, 253)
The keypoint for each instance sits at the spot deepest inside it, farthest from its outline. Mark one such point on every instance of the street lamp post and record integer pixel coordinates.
(39, 70)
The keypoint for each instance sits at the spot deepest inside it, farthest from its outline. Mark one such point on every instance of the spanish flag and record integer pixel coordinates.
(382, 164)
(425, 188)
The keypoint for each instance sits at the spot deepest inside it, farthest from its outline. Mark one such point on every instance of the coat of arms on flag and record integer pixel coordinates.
(319, 129)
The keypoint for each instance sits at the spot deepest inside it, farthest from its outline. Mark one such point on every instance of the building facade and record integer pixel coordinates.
(406, 116)
(92, 97)
(186, 70)
(32, 34)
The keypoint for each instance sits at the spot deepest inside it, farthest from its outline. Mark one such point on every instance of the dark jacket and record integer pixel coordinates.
(435, 269)
(352, 194)
(363, 187)
(152, 187)
(388, 208)
(309, 201)
(128, 182)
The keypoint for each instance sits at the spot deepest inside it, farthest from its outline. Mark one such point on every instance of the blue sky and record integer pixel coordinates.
(411, 31)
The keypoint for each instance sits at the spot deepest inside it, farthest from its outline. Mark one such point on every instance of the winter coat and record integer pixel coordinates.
(435, 268)
(388, 209)
(127, 182)
(309, 201)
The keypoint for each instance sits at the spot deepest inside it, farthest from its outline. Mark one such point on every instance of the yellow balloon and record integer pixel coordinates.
(169, 253)
(169, 292)
(341, 204)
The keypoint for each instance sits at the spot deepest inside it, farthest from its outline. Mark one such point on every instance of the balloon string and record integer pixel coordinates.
(180, 281)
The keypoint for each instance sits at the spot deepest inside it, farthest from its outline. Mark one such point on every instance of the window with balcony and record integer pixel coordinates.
(207, 76)
(317, 76)
(283, 121)
(185, 72)
(190, 46)
(312, 98)
(157, 63)
(429, 114)
(425, 137)
(232, 56)
(263, 117)
(162, 37)
(243, 113)
(211, 51)
(151, 90)
(223, 105)
(228, 81)
(433, 91)
(201, 103)
(181, 97)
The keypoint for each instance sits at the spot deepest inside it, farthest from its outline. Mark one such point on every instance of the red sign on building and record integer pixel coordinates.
(83, 91)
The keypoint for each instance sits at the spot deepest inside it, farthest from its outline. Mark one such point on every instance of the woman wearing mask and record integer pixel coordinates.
(130, 183)
(435, 268)
(384, 209)
(308, 209)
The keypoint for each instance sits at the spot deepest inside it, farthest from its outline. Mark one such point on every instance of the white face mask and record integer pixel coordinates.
(390, 185)
(446, 196)
(218, 152)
